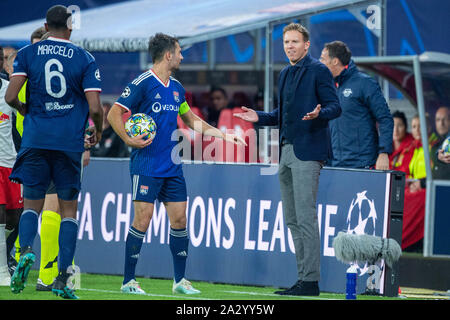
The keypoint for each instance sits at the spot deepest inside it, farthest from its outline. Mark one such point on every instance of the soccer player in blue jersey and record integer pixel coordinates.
(154, 174)
(64, 89)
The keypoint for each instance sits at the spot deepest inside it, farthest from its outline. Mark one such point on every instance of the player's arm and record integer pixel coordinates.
(96, 114)
(11, 95)
(197, 124)
(115, 119)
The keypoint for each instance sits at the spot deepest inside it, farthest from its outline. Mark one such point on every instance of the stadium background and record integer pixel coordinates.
(414, 26)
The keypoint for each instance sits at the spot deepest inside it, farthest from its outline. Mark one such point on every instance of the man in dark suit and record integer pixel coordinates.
(307, 101)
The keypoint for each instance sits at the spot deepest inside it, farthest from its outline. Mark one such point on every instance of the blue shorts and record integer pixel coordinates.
(36, 168)
(168, 189)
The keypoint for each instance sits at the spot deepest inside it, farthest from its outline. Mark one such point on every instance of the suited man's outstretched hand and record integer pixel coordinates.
(313, 114)
(249, 115)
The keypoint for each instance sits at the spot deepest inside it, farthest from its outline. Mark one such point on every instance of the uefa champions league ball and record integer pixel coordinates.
(140, 123)
(446, 146)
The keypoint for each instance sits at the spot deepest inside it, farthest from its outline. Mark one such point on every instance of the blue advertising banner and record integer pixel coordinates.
(235, 223)
(441, 236)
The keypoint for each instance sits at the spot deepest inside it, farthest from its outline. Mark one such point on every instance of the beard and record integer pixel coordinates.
(302, 55)
(174, 68)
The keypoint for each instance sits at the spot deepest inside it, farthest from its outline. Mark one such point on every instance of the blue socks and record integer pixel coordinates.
(132, 249)
(68, 232)
(28, 226)
(179, 243)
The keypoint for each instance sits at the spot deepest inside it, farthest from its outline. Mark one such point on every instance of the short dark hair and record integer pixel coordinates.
(57, 17)
(338, 49)
(215, 88)
(401, 116)
(159, 44)
(297, 27)
(37, 34)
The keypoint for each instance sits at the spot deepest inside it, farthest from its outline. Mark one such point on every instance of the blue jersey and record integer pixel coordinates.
(163, 102)
(59, 73)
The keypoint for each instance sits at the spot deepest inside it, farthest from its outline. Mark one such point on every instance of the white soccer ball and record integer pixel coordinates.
(140, 123)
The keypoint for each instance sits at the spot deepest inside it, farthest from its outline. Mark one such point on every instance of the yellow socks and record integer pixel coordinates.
(49, 246)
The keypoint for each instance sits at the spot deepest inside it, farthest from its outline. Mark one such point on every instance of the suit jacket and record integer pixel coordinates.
(314, 85)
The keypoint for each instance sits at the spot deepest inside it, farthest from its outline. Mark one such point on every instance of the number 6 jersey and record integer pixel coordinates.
(59, 73)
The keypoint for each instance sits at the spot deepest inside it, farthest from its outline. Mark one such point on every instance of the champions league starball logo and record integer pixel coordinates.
(362, 216)
(361, 219)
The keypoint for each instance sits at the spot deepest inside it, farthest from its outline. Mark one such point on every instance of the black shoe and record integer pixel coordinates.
(288, 291)
(12, 264)
(60, 287)
(306, 288)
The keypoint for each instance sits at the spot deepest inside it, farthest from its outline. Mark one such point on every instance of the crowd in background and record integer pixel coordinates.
(408, 157)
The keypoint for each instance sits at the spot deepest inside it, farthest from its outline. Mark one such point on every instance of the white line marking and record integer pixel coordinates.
(147, 294)
(275, 295)
(198, 298)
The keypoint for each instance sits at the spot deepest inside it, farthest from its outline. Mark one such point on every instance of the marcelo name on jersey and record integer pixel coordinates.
(59, 75)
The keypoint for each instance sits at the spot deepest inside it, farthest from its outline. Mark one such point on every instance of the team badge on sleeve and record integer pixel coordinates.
(126, 92)
(97, 75)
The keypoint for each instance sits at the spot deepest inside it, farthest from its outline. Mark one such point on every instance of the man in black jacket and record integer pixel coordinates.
(354, 135)
(307, 102)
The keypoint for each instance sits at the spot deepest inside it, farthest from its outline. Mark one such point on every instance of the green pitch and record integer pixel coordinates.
(105, 287)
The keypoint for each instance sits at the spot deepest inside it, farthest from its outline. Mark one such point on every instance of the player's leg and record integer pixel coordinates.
(11, 203)
(174, 196)
(5, 277)
(32, 170)
(28, 226)
(144, 190)
(178, 237)
(14, 208)
(11, 235)
(9, 220)
(179, 246)
(67, 239)
(50, 224)
(15, 234)
(143, 212)
(66, 174)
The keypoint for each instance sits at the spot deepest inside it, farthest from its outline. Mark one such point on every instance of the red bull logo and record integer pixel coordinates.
(3, 117)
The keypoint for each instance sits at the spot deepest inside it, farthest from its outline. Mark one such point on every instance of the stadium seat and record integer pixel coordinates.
(240, 99)
(212, 147)
(221, 151)
(203, 99)
(246, 130)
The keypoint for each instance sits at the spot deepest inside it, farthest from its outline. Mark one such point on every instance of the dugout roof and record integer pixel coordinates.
(126, 26)
(400, 70)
